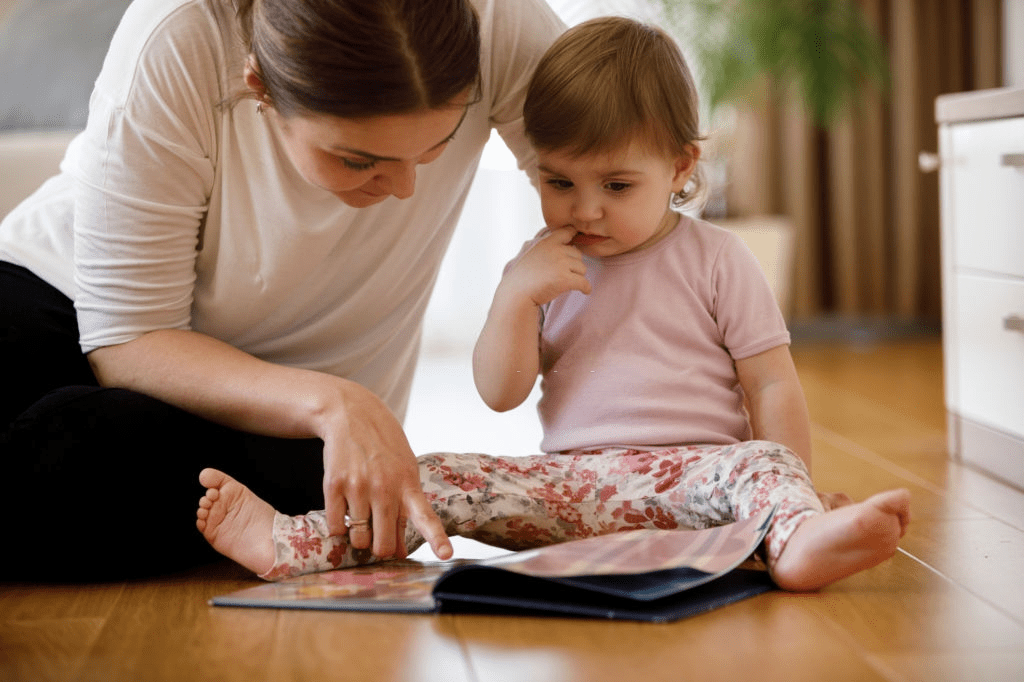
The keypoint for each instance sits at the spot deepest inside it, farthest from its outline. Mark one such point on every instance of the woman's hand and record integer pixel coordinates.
(370, 473)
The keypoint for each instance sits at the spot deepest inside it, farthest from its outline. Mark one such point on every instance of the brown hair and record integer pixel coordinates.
(359, 58)
(609, 80)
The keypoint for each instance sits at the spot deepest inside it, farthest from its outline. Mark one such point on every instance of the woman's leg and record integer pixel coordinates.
(73, 452)
(38, 342)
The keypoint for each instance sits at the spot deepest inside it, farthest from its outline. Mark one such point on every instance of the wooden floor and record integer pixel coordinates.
(948, 606)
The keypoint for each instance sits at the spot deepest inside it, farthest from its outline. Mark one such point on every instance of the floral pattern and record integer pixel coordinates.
(523, 502)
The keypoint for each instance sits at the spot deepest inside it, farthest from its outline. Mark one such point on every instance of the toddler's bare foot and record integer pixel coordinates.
(844, 541)
(236, 522)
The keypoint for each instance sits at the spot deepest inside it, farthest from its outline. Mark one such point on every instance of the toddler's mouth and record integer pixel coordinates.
(583, 239)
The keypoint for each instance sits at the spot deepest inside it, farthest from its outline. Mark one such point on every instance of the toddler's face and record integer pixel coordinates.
(617, 201)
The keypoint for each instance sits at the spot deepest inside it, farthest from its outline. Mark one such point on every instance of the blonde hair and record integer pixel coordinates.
(612, 80)
(360, 58)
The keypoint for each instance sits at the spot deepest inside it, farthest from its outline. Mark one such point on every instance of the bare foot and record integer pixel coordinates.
(236, 522)
(844, 541)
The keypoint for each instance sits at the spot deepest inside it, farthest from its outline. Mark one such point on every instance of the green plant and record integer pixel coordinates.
(823, 52)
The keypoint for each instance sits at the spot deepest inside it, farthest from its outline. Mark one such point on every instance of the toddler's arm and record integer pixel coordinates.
(778, 409)
(506, 359)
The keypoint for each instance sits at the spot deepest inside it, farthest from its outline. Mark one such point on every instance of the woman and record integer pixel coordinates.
(249, 227)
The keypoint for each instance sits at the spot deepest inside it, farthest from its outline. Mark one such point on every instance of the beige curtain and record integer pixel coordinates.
(866, 218)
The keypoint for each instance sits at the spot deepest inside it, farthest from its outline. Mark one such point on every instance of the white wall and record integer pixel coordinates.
(501, 212)
(1013, 43)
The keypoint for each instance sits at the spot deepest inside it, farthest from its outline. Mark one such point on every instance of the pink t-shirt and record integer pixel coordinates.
(647, 359)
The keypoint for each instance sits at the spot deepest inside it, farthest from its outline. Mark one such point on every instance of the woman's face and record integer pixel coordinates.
(363, 161)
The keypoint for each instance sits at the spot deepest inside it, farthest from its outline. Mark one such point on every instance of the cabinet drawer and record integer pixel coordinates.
(987, 185)
(990, 372)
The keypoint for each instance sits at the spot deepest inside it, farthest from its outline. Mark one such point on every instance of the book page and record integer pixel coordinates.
(386, 586)
(711, 550)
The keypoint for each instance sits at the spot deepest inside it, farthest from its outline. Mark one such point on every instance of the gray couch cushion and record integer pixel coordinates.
(50, 54)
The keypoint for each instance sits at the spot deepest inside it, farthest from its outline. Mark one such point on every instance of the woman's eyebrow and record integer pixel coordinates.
(374, 157)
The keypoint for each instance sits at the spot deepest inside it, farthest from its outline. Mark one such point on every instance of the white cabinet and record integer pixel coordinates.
(981, 152)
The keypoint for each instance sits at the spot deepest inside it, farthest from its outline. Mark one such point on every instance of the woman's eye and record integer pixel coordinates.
(357, 165)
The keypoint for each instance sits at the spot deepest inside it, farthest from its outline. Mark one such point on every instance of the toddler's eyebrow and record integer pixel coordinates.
(618, 172)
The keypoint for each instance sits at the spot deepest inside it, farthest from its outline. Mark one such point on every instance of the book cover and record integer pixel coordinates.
(651, 575)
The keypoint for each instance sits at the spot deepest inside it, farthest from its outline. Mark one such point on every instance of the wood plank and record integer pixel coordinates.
(837, 470)
(162, 627)
(975, 553)
(157, 632)
(365, 647)
(903, 379)
(901, 607)
(957, 667)
(27, 601)
(773, 634)
(46, 650)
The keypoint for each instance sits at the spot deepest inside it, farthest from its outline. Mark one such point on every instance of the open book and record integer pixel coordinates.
(652, 575)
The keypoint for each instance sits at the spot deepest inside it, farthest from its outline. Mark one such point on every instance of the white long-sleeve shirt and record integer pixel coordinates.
(176, 209)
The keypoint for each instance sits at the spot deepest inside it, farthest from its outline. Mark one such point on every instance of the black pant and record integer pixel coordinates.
(102, 484)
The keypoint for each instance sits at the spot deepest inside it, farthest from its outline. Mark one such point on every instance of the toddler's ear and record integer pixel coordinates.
(685, 165)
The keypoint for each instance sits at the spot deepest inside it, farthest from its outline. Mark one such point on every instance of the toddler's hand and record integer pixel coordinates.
(548, 269)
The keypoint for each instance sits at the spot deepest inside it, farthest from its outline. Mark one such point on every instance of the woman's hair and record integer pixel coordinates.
(609, 81)
(360, 58)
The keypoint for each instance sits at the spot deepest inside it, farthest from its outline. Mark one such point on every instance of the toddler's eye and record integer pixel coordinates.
(618, 186)
(559, 183)
(357, 165)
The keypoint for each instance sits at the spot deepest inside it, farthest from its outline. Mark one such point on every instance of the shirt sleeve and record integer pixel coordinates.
(745, 308)
(521, 30)
(144, 175)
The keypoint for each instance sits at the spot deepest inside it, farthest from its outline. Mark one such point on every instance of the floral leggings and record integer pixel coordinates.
(524, 502)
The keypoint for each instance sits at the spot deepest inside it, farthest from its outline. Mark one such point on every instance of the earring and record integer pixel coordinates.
(260, 108)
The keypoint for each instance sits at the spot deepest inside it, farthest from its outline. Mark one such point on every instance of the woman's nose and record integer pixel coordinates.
(401, 179)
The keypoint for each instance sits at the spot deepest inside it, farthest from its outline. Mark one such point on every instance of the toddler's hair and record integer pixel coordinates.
(611, 80)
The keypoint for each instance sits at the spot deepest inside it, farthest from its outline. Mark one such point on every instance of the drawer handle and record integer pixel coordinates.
(1013, 160)
(1014, 323)
(928, 162)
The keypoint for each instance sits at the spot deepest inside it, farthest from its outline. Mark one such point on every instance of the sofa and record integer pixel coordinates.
(50, 54)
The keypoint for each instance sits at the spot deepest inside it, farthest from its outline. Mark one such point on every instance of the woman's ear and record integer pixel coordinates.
(253, 81)
(685, 164)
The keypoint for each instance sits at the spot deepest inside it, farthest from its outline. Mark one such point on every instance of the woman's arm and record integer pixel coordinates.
(506, 359)
(778, 410)
(369, 468)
